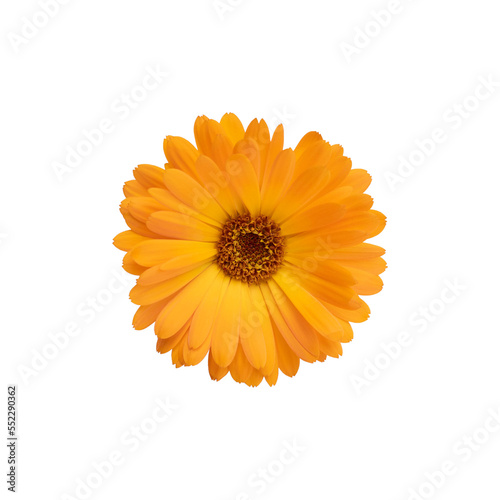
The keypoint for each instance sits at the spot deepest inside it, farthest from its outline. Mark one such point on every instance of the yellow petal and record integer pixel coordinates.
(184, 304)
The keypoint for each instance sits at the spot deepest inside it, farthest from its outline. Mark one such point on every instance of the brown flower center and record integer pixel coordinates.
(250, 250)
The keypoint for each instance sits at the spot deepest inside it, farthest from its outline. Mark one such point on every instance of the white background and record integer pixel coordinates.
(282, 61)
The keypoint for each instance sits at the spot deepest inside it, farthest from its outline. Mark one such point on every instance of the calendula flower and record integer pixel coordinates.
(248, 252)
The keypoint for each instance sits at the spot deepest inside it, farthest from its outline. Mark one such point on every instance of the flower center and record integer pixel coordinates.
(250, 250)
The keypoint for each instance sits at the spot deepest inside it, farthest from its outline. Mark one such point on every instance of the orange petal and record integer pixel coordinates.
(226, 328)
(217, 182)
(301, 191)
(251, 331)
(141, 207)
(204, 317)
(244, 181)
(191, 193)
(358, 179)
(171, 202)
(181, 226)
(146, 295)
(153, 252)
(288, 361)
(146, 315)
(300, 327)
(134, 188)
(312, 218)
(275, 148)
(181, 154)
(232, 127)
(250, 148)
(311, 309)
(127, 240)
(216, 372)
(149, 175)
(277, 179)
(316, 155)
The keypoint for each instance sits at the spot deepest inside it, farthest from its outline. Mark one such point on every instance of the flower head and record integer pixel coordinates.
(248, 252)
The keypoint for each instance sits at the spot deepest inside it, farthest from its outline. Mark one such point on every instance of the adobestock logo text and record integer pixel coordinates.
(121, 109)
(420, 321)
(453, 119)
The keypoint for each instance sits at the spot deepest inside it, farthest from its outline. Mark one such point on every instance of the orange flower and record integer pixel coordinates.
(248, 252)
